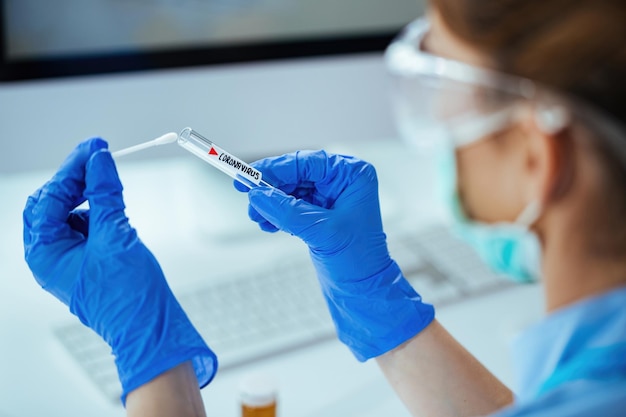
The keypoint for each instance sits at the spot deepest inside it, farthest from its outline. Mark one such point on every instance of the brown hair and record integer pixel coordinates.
(576, 47)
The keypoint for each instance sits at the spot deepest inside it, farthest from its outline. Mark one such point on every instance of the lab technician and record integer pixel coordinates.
(523, 104)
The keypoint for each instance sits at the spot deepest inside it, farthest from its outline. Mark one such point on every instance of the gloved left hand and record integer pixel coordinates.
(94, 262)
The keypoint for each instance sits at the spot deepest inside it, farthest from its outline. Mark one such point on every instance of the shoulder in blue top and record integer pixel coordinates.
(573, 363)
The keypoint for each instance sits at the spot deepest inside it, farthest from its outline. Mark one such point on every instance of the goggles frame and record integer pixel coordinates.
(405, 58)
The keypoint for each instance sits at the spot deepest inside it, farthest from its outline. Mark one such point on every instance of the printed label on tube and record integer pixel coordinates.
(235, 165)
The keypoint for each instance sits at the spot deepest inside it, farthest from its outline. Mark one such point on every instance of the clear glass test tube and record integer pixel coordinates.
(232, 166)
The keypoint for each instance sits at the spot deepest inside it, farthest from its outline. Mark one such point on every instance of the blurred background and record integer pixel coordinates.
(258, 77)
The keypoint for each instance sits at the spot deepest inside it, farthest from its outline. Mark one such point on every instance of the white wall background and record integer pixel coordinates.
(250, 110)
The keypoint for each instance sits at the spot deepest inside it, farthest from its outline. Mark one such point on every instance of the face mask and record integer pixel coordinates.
(510, 249)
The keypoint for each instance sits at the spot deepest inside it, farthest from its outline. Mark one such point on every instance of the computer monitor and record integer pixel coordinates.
(77, 37)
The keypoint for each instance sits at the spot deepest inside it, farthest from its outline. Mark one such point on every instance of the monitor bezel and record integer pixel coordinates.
(82, 65)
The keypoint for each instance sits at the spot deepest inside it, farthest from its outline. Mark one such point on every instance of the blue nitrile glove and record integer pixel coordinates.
(331, 203)
(94, 262)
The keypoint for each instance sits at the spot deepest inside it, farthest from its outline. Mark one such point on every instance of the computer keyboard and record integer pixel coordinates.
(266, 312)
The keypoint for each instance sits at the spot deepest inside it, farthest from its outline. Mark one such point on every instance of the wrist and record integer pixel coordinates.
(172, 393)
(164, 341)
(202, 360)
(149, 335)
(375, 315)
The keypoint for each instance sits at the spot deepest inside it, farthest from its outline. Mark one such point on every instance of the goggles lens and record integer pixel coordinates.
(434, 96)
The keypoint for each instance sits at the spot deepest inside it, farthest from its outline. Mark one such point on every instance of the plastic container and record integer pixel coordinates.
(258, 395)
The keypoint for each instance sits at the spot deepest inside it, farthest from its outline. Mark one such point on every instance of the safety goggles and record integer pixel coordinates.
(435, 96)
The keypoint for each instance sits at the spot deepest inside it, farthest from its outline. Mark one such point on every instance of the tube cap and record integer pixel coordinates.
(258, 390)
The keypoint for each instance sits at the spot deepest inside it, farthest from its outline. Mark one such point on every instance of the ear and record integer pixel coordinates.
(548, 159)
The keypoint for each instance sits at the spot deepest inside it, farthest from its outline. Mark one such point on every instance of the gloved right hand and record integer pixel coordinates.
(331, 203)
(94, 262)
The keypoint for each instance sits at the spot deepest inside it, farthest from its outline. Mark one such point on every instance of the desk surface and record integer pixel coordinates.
(173, 203)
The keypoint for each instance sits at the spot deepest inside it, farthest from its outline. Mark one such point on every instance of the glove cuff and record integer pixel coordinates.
(378, 314)
(173, 341)
(202, 358)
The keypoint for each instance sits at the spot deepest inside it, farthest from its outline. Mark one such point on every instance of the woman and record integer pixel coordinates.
(523, 105)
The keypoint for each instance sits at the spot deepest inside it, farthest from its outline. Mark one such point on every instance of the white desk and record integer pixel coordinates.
(195, 223)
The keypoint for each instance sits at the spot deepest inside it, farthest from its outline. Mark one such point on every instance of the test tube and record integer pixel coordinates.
(232, 166)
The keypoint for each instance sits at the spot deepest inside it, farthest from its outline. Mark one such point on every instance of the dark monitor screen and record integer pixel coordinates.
(77, 37)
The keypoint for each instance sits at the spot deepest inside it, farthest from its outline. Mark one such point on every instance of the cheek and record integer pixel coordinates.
(487, 182)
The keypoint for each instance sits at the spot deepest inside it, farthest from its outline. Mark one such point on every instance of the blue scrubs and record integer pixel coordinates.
(573, 363)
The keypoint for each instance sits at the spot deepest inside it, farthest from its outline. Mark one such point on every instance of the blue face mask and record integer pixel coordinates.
(508, 248)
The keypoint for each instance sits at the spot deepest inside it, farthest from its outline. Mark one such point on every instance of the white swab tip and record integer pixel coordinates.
(166, 138)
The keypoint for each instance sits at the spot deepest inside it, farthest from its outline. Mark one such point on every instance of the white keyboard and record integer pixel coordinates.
(267, 312)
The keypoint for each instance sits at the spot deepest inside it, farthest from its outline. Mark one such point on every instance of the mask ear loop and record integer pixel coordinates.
(530, 214)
